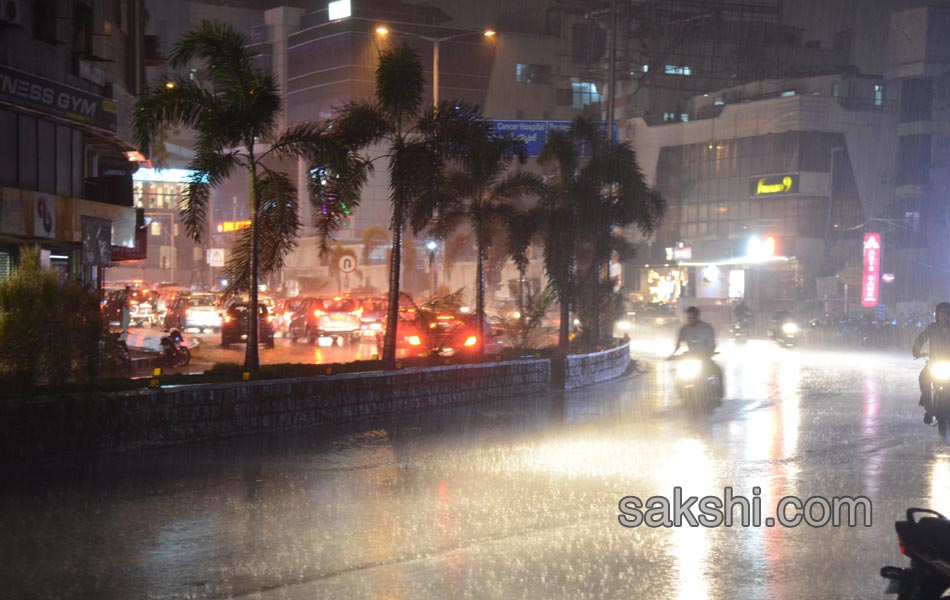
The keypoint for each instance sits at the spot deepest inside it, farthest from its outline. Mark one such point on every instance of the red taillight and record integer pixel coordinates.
(270, 318)
(900, 545)
(227, 318)
(414, 340)
(319, 313)
(358, 312)
(471, 341)
(187, 311)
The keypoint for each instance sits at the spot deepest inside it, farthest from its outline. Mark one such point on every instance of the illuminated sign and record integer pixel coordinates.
(871, 280)
(339, 9)
(163, 175)
(233, 226)
(679, 252)
(778, 184)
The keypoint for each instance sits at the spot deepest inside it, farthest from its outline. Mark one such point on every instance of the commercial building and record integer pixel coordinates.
(68, 75)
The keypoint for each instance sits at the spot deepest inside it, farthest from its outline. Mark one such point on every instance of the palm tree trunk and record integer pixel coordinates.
(252, 360)
(480, 289)
(392, 313)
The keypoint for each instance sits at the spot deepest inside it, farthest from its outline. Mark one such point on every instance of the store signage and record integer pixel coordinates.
(52, 98)
(233, 226)
(871, 281)
(679, 253)
(777, 184)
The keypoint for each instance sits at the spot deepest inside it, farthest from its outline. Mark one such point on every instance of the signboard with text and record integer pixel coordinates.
(871, 281)
(54, 98)
(774, 185)
(535, 133)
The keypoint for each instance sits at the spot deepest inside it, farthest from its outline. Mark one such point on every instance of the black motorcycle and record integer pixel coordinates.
(174, 351)
(925, 540)
(697, 383)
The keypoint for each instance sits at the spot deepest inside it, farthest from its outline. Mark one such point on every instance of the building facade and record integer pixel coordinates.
(68, 75)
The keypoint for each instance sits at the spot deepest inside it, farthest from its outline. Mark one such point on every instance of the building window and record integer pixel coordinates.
(684, 117)
(675, 70)
(878, 94)
(835, 89)
(45, 19)
(788, 93)
(526, 73)
(719, 102)
(585, 93)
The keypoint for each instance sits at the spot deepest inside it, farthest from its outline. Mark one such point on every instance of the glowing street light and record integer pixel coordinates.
(383, 30)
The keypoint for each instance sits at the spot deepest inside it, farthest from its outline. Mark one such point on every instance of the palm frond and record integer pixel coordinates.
(221, 47)
(359, 124)
(208, 170)
(399, 83)
(184, 104)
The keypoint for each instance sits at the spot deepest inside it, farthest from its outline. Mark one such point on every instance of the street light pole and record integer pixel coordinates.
(383, 30)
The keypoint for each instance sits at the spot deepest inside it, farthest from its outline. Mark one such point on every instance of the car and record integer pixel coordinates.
(284, 311)
(337, 317)
(140, 306)
(443, 334)
(234, 326)
(194, 311)
(373, 317)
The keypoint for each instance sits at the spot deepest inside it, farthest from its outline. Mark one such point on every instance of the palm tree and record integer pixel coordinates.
(481, 191)
(596, 186)
(419, 138)
(236, 118)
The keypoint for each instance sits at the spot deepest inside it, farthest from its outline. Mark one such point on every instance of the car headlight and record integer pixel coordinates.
(790, 329)
(689, 368)
(624, 325)
(940, 370)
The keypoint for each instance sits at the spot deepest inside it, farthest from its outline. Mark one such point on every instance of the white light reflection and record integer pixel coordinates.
(940, 485)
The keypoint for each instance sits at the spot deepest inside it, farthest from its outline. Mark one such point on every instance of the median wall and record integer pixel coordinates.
(173, 415)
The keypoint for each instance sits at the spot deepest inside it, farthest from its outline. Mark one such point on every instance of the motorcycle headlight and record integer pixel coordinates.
(940, 370)
(790, 329)
(688, 369)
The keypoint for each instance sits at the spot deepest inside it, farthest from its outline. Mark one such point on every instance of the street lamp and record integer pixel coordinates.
(383, 30)
(431, 246)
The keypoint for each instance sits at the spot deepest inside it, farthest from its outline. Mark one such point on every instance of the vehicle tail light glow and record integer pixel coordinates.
(358, 312)
(319, 313)
(227, 318)
(270, 318)
(471, 341)
(414, 340)
(187, 311)
(901, 547)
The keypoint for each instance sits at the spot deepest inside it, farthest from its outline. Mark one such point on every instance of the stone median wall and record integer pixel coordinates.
(174, 415)
(585, 369)
(202, 412)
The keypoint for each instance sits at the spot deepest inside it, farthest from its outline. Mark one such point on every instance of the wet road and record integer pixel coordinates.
(514, 499)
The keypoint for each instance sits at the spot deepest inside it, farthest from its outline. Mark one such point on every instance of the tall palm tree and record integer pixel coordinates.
(595, 186)
(480, 190)
(236, 119)
(419, 139)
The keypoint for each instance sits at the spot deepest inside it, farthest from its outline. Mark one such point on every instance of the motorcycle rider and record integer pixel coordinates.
(937, 335)
(700, 339)
(743, 314)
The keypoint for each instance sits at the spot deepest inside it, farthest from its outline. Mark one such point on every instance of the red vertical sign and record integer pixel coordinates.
(871, 282)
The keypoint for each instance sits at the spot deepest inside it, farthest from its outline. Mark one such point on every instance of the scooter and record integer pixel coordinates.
(174, 351)
(786, 334)
(740, 330)
(925, 540)
(940, 394)
(698, 385)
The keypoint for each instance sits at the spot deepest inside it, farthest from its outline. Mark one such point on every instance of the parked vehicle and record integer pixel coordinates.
(924, 538)
(338, 318)
(197, 311)
(174, 352)
(234, 326)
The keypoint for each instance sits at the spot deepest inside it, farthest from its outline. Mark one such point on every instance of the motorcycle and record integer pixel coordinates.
(174, 351)
(940, 394)
(698, 385)
(925, 540)
(786, 334)
(740, 330)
